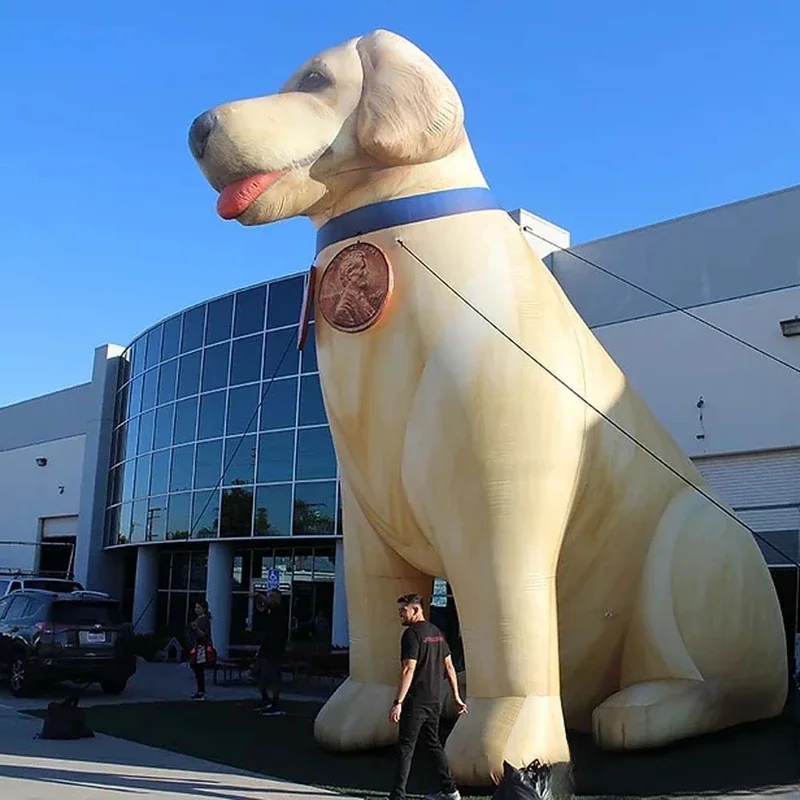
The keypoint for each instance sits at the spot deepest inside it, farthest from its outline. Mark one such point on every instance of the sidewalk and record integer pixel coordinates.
(104, 767)
(151, 683)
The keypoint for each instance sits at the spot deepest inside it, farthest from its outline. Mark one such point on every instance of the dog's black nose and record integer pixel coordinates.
(199, 133)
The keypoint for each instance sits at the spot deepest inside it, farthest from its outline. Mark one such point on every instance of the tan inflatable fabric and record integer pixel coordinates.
(594, 588)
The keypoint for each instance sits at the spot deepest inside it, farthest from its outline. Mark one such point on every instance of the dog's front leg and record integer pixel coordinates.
(357, 716)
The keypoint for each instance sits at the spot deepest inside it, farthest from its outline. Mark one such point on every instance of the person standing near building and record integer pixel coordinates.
(426, 659)
(201, 636)
(271, 654)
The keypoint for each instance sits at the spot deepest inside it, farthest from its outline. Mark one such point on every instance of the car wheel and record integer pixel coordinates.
(113, 687)
(18, 680)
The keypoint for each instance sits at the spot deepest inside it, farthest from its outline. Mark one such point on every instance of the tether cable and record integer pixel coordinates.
(660, 299)
(597, 411)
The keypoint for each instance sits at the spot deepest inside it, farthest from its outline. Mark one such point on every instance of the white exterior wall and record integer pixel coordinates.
(29, 493)
(750, 403)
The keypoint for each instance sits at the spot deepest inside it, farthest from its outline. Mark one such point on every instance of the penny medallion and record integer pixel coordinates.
(307, 307)
(355, 288)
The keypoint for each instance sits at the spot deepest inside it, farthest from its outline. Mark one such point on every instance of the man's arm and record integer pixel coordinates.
(452, 678)
(406, 676)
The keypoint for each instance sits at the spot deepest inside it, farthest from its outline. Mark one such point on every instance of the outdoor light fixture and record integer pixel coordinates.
(790, 327)
(41, 462)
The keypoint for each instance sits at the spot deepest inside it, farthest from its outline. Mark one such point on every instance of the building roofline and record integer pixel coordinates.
(690, 215)
(44, 396)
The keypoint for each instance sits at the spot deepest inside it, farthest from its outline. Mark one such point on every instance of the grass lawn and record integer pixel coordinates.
(750, 758)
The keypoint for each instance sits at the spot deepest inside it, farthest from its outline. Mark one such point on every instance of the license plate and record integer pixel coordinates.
(90, 637)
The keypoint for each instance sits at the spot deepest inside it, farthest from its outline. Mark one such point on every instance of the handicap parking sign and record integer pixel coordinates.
(273, 579)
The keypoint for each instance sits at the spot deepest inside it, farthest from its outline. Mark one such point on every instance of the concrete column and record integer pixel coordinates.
(144, 591)
(219, 593)
(340, 629)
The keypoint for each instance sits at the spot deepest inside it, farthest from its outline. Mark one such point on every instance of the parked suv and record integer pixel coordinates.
(8, 585)
(51, 636)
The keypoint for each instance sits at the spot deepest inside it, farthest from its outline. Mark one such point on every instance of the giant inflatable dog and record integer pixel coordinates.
(594, 587)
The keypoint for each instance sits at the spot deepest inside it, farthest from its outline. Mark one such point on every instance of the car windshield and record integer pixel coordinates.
(52, 585)
(83, 613)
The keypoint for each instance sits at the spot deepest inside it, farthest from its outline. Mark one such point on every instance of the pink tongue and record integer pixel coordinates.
(237, 197)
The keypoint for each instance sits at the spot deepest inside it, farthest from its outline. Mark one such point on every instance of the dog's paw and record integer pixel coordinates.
(357, 717)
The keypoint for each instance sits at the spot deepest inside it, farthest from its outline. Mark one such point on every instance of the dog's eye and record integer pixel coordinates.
(314, 81)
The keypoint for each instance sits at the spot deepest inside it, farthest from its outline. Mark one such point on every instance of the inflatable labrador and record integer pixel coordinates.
(594, 587)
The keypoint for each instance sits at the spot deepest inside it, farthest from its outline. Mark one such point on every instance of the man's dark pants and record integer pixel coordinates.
(420, 721)
(269, 677)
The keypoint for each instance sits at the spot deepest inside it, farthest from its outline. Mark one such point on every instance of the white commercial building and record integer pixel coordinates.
(176, 482)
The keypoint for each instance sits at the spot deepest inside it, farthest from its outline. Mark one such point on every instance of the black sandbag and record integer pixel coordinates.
(64, 720)
(533, 782)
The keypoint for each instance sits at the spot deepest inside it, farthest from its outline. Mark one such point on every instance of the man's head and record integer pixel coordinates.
(410, 609)
(274, 599)
(370, 104)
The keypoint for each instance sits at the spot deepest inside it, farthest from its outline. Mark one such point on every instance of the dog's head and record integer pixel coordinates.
(370, 104)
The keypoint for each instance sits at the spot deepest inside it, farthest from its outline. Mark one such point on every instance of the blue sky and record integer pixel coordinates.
(598, 116)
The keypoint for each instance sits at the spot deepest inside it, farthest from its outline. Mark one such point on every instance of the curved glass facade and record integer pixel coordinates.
(220, 429)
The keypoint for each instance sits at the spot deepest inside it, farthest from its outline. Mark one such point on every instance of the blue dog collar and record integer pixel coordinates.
(403, 211)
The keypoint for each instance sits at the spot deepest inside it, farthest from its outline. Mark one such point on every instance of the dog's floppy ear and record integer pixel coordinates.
(410, 112)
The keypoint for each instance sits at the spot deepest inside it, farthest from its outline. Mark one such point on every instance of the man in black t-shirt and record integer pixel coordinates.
(417, 708)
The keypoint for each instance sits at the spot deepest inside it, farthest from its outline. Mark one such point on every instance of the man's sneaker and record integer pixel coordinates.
(271, 710)
(260, 709)
(199, 696)
(456, 795)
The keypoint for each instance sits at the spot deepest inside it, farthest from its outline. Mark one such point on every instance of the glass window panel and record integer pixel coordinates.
(163, 427)
(208, 465)
(274, 510)
(279, 404)
(178, 521)
(124, 367)
(135, 398)
(198, 574)
(281, 344)
(168, 373)
(212, 415)
(205, 515)
(324, 566)
(159, 472)
(115, 486)
(142, 484)
(128, 475)
(181, 473)
(180, 571)
(240, 458)
(243, 409)
(303, 569)
(120, 444)
(250, 311)
(285, 301)
(126, 510)
(139, 521)
(121, 409)
(112, 526)
(262, 560)
(314, 509)
(132, 440)
(137, 356)
(193, 325)
(189, 375)
(156, 529)
(185, 421)
(162, 605)
(241, 570)
(218, 320)
(246, 360)
(237, 512)
(310, 351)
(171, 338)
(146, 423)
(149, 389)
(215, 367)
(164, 569)
(275, 457)
(154, 347)
(316, 457)
(312, 408)
(177, 618)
